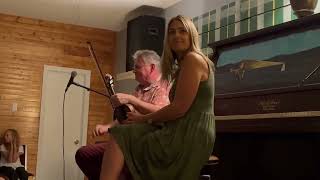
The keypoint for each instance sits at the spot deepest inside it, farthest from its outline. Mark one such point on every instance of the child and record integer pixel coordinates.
(10, 151)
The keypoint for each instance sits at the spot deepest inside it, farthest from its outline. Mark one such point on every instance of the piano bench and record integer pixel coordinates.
(209, 170)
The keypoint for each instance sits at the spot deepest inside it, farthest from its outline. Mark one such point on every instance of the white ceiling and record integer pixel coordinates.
(106, 14)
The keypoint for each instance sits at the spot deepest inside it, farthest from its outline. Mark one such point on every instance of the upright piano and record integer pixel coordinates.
(267, 103)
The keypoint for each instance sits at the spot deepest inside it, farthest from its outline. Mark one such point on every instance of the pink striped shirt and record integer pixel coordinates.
(157, 93)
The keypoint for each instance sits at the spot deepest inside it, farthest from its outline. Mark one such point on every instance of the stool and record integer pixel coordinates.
(205, 177)
(209, 170)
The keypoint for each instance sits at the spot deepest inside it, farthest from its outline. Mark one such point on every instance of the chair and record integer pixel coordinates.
(24, 159)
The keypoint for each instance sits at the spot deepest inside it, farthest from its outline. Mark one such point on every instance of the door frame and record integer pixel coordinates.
(85, 113)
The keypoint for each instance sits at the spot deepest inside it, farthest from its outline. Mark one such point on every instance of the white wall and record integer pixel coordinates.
(192, 8)
(120, 64)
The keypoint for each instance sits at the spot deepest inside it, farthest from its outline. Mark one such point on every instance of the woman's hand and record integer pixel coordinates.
(12, 142)
(120, 98)
(134, 117)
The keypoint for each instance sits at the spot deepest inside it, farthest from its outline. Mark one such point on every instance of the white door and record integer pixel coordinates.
(51, 162)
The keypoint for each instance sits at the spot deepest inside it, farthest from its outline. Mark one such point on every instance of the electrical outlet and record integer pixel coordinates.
(14, 107)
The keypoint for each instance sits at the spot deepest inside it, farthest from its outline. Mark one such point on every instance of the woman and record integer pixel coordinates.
(176, 141)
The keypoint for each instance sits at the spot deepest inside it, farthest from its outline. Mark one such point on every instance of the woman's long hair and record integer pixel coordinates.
(169, 58)
(15, 135)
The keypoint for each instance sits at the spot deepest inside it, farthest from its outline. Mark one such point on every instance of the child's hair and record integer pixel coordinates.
(15, 135)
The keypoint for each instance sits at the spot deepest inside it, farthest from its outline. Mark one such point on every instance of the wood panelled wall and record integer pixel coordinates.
(26, 45)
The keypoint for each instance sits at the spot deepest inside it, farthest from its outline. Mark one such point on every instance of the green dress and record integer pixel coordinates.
(174, 150)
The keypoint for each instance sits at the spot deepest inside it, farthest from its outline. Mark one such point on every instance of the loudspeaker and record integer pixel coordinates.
(144, 32)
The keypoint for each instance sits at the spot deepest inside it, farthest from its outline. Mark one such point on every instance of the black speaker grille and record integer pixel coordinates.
(144, 32)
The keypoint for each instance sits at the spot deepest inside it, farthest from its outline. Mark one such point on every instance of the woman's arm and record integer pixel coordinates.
(139, 105)
(144, 107)
(193, 69)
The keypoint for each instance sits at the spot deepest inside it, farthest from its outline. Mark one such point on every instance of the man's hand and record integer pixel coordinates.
(121, 98)
(101, 130)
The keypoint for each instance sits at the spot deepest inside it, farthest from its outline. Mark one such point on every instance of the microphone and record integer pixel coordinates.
(73, 75)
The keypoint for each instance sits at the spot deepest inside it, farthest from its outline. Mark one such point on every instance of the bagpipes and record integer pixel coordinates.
(120, 112)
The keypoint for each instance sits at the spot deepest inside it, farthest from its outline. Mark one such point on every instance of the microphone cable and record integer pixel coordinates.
(63, 156)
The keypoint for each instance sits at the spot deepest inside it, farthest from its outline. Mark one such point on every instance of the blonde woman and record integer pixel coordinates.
(176, 141)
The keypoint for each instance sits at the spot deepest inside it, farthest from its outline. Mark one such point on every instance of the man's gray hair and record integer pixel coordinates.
(148, 56)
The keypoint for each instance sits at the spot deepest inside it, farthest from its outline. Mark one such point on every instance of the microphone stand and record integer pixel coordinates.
(88, 89)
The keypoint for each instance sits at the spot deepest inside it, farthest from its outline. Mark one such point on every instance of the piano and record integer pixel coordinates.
(267, 102)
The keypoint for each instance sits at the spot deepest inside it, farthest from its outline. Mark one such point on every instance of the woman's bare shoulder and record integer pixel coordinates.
(193, 55)
(194, 59)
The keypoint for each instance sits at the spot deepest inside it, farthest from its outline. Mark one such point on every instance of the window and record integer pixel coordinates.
(240, 17)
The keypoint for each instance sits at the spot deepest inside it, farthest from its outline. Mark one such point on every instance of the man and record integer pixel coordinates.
(150, 95)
